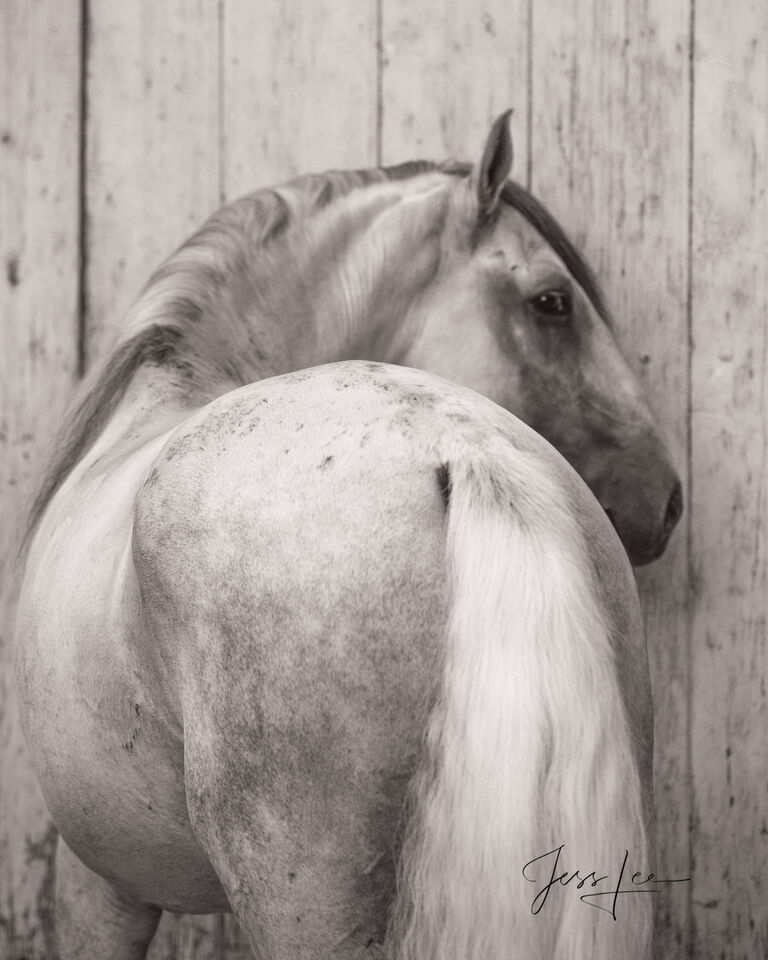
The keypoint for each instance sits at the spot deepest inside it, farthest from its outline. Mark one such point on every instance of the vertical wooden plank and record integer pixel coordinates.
(152, 176)
(153, 167)
(610, 96)
(730, 473)
(299, 94)
(300, 88)
(447, 71)
(39, 139)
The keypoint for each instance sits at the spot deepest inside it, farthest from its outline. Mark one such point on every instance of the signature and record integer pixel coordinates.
(637, 883)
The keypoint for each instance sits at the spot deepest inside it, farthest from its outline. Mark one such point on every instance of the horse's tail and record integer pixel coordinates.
(528, 747)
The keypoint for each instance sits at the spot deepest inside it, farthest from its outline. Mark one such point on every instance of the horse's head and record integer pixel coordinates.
(516, 315)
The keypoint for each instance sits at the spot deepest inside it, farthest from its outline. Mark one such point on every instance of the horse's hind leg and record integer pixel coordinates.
(305, 894)
(94, 921)
(309, 874)
(304, 715)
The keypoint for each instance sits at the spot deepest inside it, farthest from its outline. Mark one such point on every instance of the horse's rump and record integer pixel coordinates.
(294, 561)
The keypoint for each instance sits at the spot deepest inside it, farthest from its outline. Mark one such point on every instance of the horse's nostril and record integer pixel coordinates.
(674, 509)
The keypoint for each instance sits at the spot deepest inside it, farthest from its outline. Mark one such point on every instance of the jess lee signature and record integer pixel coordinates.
(550, 871)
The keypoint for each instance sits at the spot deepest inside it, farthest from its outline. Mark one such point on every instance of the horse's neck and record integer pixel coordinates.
(376, 253)
(343, 286)
(338, 284)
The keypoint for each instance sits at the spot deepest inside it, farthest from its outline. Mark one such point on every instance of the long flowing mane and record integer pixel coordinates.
(196, 293)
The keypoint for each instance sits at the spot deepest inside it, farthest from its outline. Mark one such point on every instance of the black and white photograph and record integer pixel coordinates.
(384, 480)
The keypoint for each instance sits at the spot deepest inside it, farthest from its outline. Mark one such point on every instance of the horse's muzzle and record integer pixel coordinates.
(641, 494)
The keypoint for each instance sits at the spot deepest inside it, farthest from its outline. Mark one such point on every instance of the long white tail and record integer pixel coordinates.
(528, 747)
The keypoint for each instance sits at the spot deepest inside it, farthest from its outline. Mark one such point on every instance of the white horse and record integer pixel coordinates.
(352, 651)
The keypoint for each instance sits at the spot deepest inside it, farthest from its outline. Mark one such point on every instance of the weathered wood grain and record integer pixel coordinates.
(299, 89)
(39, 138)
(729, 707)
(447, 71)
(610, 105)
(153, 158)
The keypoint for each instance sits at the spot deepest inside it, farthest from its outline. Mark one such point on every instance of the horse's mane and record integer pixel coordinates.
(191, 284)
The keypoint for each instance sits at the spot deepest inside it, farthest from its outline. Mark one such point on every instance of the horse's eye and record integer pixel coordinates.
(553, 305)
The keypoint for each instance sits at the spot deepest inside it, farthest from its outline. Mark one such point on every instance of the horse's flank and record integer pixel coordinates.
(241, 265)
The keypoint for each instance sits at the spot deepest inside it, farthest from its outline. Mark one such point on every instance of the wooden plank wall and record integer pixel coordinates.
(39, 309)
(642, 126)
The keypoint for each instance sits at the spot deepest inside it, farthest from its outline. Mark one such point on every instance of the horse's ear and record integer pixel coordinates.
(490, 175)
